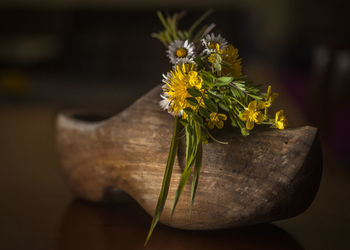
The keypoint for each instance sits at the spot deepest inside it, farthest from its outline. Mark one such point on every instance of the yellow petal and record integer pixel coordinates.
(259, 118)
(274, 96)
(249, 124)
(279, 114)
(261, 105)
(245, 115)
(280, 120)
(268, 91)
(252, 105)
(280, 125)
(222, 117)
(220, 124)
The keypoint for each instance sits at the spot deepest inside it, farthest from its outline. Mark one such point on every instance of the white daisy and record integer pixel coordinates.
(164, 103)
(209, 42)
(181, 52)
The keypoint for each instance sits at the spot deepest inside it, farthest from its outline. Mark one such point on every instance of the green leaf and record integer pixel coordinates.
(196, 172)
(204, 112)
(239, 82)
(181, 35)
(197, 118)
(188, 111)
(217, 66)
(192, 101)
(210, 105)
(224, 107)
(195, 138)
(224, 80)
(198, 60)
(162, 20)
(194, 92)
(186, 173)
(184, 122)
(189, 144)
(187, 35)
(255, 97)
(207, 77)
(215, 94)
(166, 179)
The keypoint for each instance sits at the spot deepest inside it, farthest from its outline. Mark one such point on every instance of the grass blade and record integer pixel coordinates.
(162, 20)
(195, 140)
(198, 21)
(196, 172)
(166, 180)
(190, 157)
(184, 177)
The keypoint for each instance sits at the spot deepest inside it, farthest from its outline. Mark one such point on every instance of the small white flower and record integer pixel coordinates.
(181, 52)
(209, 42)
(164, 103)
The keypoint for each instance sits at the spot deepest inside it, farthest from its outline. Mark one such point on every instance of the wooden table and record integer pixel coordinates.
(38, 211)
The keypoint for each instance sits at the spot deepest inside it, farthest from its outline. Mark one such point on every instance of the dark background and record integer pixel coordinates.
(94, 54)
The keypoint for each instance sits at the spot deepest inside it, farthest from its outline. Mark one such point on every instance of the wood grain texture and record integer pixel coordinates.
(267, 176)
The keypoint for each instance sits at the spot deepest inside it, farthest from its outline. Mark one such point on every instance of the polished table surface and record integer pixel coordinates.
(38, 211)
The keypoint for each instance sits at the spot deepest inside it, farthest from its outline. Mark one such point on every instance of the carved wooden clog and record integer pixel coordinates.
(266, 176)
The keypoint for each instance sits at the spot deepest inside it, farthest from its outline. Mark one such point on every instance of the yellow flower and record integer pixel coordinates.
(280, 120)
(180, 79)
(213, 45)
(213, 56)
(253, 115)
(230, 55)
(217, 47)
(269, 98)
(216, 119)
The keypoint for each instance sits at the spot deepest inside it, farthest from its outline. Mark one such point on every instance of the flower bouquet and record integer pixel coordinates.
(205, 89)
(227, 173)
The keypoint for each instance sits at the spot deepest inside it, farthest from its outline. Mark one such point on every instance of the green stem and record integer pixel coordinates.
(213, 138)
(238, 102)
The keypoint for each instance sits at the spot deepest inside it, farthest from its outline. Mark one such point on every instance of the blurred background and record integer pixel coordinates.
(89, 53)
(98, 54)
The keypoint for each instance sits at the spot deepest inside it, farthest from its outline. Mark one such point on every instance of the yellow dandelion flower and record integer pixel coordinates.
(179, 80)
(217, 120)
(230, 55)
(280, 120)
(253, 115)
